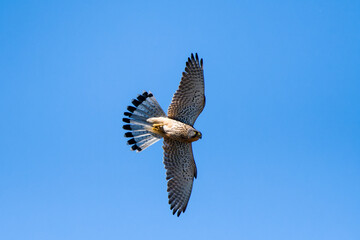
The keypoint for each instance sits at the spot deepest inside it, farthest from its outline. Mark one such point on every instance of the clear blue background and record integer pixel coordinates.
(280, 154)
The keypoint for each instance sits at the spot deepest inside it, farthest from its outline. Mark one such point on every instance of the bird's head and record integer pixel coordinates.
(194, 135)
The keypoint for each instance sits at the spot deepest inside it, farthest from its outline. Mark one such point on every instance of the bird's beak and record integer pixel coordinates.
(200, 135)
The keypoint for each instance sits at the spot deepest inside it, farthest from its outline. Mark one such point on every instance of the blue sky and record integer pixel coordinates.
(280, 154)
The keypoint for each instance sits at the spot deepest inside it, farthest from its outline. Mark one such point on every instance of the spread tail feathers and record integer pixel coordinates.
(145, 106)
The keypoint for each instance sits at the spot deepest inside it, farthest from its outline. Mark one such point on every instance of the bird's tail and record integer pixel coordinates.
(145, 106)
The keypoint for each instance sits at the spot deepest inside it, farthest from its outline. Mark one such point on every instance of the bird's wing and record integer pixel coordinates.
(189, 100)
(180, 172)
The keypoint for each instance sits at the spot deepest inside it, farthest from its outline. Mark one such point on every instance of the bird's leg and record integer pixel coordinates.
(157, 124)
(157, 127)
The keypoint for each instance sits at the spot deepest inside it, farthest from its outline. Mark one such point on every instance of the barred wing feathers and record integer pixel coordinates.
(180, 172)
(189, 100)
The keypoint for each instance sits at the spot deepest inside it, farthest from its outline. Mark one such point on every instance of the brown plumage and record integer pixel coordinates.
(148, 123)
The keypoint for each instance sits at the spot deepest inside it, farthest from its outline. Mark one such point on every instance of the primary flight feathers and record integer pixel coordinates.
(147, 123)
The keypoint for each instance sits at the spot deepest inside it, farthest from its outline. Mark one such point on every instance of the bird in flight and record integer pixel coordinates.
(147, 123)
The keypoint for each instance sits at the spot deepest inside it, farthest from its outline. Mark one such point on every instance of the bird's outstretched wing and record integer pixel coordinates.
(189, 100)
(180, 172)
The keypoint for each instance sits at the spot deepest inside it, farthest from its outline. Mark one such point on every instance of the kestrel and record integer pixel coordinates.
(147, 123)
